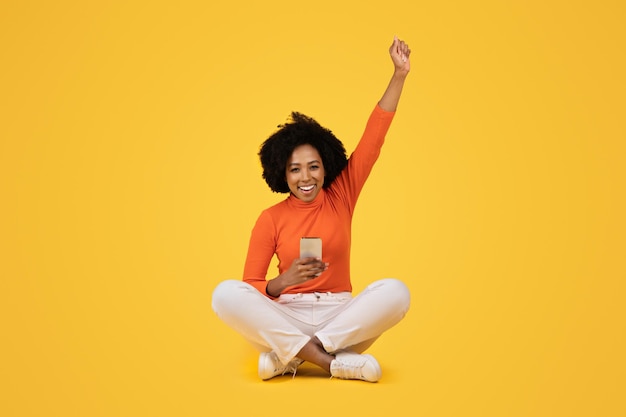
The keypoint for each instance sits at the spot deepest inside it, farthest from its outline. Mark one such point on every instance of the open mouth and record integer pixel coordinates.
(307, 189)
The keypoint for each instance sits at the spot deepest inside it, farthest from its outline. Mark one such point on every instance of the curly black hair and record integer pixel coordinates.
(300, 130)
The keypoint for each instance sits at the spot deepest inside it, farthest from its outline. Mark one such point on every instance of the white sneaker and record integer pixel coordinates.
(270, 366)
(350, 365)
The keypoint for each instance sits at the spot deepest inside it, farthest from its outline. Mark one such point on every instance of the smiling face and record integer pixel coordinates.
(305, 173)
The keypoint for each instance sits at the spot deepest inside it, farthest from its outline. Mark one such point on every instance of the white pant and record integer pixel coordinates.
(285, 325)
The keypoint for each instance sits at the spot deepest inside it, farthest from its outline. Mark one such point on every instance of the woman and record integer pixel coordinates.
(307, 313)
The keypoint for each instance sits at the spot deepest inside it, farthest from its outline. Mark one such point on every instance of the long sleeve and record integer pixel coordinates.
(261, 249)
(365, 154)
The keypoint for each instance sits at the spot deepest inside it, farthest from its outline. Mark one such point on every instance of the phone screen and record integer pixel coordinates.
(311, 247)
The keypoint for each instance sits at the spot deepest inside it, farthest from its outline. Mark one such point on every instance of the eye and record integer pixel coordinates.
(314, 167)
(294, 170)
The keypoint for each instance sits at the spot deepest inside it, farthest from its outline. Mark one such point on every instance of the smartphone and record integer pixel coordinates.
(311, 247)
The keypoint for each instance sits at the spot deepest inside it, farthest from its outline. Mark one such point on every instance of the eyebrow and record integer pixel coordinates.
(308, 163)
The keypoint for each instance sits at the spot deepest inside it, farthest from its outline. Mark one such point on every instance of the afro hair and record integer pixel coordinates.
(300, 130)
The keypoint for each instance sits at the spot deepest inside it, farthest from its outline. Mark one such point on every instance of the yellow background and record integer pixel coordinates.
(129, 183)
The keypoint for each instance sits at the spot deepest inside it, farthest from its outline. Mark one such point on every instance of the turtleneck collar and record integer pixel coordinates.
(317, 202)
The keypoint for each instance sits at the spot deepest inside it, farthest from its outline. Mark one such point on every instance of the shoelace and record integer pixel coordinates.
(350, 370)
(292, 367)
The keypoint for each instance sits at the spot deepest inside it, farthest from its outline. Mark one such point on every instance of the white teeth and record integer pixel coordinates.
(309, 188)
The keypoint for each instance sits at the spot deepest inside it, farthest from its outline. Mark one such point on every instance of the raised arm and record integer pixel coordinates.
(400, 54)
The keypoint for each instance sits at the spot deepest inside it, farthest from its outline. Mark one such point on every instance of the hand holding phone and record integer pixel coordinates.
(311, 247)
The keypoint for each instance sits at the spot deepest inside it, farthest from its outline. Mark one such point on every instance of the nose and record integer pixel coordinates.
(305, 174)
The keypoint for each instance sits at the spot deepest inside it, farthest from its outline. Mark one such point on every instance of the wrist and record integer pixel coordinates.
(268, 292)
(400, 74)
(273, 288)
